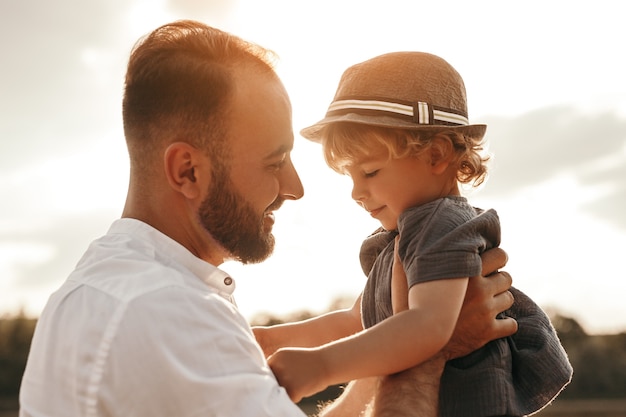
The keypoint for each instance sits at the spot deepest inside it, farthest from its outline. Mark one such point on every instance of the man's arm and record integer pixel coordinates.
(414, 392)
(355, 401)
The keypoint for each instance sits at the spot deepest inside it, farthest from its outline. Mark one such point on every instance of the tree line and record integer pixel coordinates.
(599, 361)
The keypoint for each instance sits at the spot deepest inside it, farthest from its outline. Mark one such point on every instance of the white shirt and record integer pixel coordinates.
(142, 327)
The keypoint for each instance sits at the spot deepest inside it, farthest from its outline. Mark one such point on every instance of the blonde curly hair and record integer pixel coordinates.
(344, 143)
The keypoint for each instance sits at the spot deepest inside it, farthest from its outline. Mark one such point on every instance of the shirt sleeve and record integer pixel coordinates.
(185, 354)
(445, 240)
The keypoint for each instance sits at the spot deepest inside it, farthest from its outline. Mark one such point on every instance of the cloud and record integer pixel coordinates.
(540, 145)
(35, 260)
(60, 59)
(611, 206)
(61, 242)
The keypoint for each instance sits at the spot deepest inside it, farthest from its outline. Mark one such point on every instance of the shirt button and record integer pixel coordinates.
(228, 281)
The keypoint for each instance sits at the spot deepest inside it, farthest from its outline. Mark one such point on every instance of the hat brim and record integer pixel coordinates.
(314, 132)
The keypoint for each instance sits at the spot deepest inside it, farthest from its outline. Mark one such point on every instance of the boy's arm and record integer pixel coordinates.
(312, 332)
(433, 309)
(486, 297)
(398, 343)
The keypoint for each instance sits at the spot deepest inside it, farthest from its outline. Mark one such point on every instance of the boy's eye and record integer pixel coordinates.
(370, 174)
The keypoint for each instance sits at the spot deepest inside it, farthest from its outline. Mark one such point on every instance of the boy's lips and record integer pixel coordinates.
(375, 211)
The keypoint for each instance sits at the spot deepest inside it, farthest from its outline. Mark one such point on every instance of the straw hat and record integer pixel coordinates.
(408, 90)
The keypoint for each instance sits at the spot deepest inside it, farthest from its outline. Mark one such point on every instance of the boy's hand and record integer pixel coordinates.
(299, 370)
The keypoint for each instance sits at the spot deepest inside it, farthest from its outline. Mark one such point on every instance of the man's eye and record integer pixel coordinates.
(278, 165)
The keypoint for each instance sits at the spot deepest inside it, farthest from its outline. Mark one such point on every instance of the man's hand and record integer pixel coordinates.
(486, 297)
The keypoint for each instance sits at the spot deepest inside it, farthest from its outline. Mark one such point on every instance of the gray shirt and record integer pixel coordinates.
(513, 376)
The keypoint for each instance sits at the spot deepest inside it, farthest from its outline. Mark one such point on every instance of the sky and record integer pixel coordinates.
(545, 76)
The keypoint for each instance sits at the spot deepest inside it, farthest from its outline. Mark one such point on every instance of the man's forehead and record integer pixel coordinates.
(260, 115)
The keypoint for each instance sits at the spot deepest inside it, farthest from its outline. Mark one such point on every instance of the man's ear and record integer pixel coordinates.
(185, 167)
(441, 151)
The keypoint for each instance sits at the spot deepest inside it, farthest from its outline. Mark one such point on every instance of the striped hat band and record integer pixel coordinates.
(420, 112)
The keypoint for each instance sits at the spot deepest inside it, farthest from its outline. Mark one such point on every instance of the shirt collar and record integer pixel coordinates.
(170, 250)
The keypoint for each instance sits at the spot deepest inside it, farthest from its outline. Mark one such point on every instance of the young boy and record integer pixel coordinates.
(398, 127)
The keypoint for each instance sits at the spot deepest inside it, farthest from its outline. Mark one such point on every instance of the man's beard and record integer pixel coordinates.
(234, 224)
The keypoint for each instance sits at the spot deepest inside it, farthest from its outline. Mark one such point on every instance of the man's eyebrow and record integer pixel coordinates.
(279, 151)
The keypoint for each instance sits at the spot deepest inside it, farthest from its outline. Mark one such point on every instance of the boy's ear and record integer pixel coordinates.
(185, 166)
(441, 152)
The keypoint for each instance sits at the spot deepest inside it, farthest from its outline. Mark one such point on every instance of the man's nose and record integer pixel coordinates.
(290, 185)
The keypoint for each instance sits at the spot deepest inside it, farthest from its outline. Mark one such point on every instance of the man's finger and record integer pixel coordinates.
(492, 260)
(505, 327)
(503, 301)
(501, 282)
